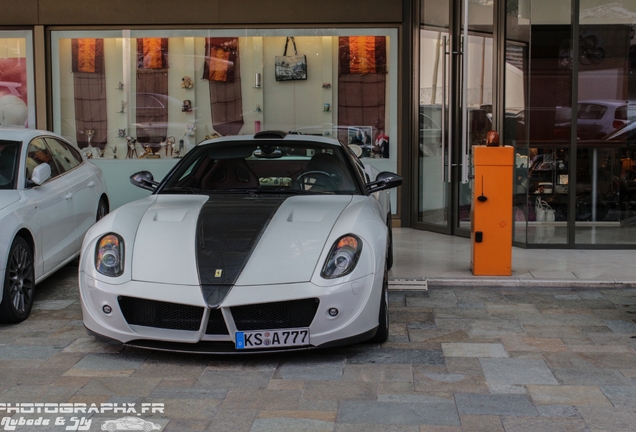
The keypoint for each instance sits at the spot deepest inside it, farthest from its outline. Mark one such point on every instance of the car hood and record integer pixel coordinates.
(228, 240)
(8, 197)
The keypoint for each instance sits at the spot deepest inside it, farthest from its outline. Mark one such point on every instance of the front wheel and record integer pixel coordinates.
(383, 319)
(389, 252)
(102, 208)
(19, 283)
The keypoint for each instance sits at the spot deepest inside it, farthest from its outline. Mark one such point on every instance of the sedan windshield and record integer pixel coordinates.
(9, 151)
(274, 166)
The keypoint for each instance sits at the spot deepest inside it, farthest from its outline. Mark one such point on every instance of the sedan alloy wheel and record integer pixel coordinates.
(19, 283)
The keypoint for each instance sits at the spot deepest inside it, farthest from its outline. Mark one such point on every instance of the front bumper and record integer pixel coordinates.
(176, 317)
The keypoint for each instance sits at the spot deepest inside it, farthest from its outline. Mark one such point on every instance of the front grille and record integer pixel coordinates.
(278, 315)
(152, 313)
(216, 323)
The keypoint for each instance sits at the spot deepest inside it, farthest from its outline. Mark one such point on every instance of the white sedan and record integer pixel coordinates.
(49, 197)
(251, 243)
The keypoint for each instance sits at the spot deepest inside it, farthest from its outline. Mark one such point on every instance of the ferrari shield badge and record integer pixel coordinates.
(218, 273)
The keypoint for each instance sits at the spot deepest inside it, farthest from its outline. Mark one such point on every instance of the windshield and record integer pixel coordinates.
(274, 166)
(9, 151)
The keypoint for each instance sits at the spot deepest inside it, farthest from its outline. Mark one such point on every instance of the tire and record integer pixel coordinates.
(389, 252)
(111, 427)
(19, 283)
(102, 209)
(383, 319)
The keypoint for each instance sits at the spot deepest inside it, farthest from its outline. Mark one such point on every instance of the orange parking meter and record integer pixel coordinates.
(491, 211)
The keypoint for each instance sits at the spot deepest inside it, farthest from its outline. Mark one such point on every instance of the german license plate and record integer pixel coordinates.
(272, 338)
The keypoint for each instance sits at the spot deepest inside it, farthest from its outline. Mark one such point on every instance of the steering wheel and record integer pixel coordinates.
(328, 185)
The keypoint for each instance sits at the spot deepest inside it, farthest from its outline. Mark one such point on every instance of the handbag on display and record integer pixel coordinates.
(543, 211)
(292, 67)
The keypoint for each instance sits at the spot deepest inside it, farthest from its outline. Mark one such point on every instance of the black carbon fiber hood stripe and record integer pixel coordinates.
(228, 229)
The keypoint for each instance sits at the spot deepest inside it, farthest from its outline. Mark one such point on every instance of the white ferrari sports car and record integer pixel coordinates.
(49, 198)
(250, 243)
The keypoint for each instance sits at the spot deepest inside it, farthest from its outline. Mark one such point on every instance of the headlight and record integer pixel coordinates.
(109, 255)
(343, 257)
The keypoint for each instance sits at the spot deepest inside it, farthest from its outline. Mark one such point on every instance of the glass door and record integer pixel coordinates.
(474, 97)
(433, 149)
(455, 111)
(476, 114)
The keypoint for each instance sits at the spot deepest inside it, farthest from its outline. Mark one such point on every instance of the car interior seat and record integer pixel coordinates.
(230, 174)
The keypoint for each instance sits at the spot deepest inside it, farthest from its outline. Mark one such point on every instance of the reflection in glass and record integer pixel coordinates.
(605, 118)
(435, 13)
(154, 94)
(433, 112)
(514, 131)
(478, 97)
(140, 94)
(536, 121)
(14, 79)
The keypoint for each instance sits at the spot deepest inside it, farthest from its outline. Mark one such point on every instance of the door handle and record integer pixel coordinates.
(464, 74)
(68, 196)
(91, 183)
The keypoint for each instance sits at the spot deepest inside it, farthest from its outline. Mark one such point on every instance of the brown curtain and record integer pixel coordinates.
(222, 70)
(152, 91)
(89, 82)
(362, 82)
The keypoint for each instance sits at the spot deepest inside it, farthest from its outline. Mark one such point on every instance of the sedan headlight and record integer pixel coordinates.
(109, 255)
(343, 257)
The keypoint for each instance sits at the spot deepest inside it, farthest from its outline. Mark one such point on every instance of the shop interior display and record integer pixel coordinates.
(171, 93)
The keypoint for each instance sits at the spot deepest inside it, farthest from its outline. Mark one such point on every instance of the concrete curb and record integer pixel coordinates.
(425, 283)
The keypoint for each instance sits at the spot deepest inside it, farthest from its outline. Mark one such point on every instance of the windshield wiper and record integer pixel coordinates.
(295, 192)
(182, 189)
(233, 190)
(268, 191)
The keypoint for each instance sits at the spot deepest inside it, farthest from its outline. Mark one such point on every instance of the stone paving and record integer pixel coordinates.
(458, 359)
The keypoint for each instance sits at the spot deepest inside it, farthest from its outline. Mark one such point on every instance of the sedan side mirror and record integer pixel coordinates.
(41, 173)
(384, 180)
(144, 180)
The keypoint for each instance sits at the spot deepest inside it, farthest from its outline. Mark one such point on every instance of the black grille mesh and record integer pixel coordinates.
(278, 315)
(216, 323)
(152, 313)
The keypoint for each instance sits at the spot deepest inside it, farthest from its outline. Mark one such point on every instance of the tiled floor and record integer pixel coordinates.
(445, 260)
(460, 358)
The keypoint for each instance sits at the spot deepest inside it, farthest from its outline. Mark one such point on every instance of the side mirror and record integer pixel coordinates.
(41, 173)
(144, 180)
(384, 180)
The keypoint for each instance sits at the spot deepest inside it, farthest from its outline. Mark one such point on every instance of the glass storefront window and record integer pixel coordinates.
(606, 116)
(536, 117)
(17, 101)
(150, 95)
(574, 142)
(435, 13)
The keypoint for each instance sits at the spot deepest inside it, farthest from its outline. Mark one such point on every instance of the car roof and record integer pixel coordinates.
(606, 102)
(262, 138)
(23, 134)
